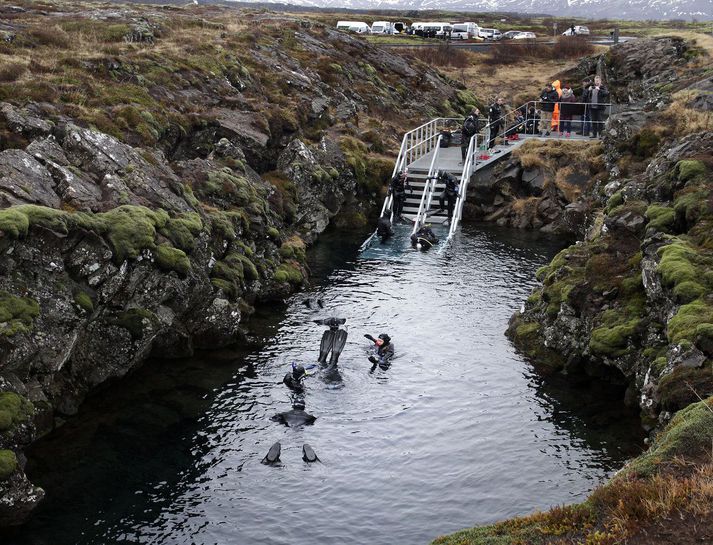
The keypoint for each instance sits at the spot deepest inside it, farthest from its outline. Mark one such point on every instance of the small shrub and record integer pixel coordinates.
(12, 71)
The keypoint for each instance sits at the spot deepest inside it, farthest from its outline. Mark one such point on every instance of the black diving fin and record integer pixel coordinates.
(340, 339)
(273, 455)
(326, 345)
(308, 454)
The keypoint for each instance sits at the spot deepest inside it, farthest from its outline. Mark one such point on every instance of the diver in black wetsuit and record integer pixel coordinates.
(424, 238)
(293, 380)
(383, 228)
(398, 186)
(297, 416)
(450, 193)
(384, 351)
(333, 340)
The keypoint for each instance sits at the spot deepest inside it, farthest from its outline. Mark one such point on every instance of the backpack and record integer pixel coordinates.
(470, 126)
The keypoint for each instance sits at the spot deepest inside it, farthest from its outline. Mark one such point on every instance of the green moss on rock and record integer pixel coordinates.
(8, 464)
(287, 272)
(661, 218)
(688, 169)
(183, 230)
(617, 199)
(172, 259)
(84, 301)
(688, 434)
(683, 326)
(16, 314)
(14, 410)
(613, 341)
(135, 320)
(13, 223)
(688, 291)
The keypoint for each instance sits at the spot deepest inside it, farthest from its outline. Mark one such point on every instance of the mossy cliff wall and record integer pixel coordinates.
(160, 175)
(632, 302)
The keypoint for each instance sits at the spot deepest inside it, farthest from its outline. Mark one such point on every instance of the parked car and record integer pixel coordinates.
(464, 31)
(490, 33)
(399, 26)
(576, 30)
(382, 27)
(497, 35)
(524, 36)
(510, 34)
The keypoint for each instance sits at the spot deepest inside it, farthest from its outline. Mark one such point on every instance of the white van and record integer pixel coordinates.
(439, 29)
(464, 31)
(354, 26)
(486, 33)
(578, 31)
(382, 27)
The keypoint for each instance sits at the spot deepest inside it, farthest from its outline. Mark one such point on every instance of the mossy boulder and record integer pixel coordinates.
(8, 464)
(183, 230)
(683, 386)
(684, 325)
(17, 314)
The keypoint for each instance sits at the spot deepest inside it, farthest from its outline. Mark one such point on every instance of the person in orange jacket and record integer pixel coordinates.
(557, 86)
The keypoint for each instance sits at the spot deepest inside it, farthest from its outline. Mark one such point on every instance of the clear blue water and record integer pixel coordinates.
(460, 431)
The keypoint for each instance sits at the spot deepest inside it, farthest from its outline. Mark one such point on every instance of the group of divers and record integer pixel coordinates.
(333, 341)
(424, 238)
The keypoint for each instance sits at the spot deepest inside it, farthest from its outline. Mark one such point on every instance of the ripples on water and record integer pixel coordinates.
(458, 432)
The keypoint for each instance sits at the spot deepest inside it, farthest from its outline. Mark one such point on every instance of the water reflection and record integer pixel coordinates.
(458, 431)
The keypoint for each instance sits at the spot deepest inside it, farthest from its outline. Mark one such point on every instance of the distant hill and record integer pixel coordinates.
(596, 9)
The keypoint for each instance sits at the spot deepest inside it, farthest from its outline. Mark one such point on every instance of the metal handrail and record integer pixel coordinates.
(427, 190)
(468, 166)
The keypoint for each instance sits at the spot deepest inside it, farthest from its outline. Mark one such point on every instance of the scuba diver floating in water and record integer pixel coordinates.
(384, 352)
(383, 228)
(449, 193)
(398, 186)
(297, 416)
(424, 238)
(294, 379)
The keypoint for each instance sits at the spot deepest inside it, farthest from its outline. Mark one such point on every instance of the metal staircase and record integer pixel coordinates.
(421, 153)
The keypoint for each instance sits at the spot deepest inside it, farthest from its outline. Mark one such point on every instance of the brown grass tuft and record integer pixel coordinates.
(12, 72)
(443, 55)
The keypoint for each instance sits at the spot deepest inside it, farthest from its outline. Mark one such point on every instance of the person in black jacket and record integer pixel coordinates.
(586, 123)
(597, 97)
(567, 110)
(384, 351)
(471, 126)
(532, 123)
(495, 114)
(548, 99)
(398, 186)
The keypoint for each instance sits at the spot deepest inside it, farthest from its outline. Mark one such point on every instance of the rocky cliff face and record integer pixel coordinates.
(632, 299)
(632, 302)
(161, 172)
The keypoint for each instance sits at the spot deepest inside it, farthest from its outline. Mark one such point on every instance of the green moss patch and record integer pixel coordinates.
(14, 410)
(172, 259)
(689, 169)
(8, 464)
(135, 321)
(661, 218)
(84, 301)
(683, 386)
(183, 230)
(684, 325)
(17, 314)
(689, 434)
(613, 340)
(288, 272)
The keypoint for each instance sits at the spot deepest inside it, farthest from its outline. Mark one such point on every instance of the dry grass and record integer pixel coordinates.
(512, 52)
(682, 120)
(702, 40)
(441, 56)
